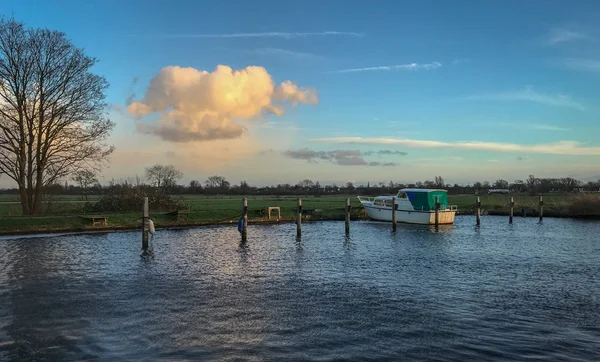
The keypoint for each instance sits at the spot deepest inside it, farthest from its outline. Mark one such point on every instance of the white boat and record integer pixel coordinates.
(413, 206)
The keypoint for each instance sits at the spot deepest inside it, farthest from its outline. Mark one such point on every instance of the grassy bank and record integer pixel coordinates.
(65, 212)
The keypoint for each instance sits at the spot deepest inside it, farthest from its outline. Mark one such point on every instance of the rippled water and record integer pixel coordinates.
(520, 292)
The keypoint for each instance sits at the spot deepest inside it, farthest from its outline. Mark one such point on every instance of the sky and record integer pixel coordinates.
(335, 91)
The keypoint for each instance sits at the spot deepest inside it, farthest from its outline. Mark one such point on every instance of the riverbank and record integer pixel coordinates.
(221, 211)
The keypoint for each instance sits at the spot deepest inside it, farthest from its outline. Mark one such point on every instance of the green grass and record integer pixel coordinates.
(65, 211)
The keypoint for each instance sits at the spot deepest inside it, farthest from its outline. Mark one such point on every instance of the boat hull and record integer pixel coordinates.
(411, 216)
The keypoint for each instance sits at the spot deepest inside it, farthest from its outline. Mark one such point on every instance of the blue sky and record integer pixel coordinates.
(471, 90)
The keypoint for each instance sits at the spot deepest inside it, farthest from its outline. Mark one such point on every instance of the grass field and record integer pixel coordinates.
(65, 212)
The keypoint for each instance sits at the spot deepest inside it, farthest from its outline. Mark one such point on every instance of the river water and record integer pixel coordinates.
(501, 292)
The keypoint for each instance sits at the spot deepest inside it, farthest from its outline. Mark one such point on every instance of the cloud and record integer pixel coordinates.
(410, 66)
(582, 64)
(522, 158)
(287, 53)
(271, 34)
(196, 105)
(339, 157)
(118, 108)
(560, 35)
(391, 152)
(529, 95)
(524, 125)
(557, 148)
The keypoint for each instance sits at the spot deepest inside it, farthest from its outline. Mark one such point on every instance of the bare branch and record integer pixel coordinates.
(52, 110)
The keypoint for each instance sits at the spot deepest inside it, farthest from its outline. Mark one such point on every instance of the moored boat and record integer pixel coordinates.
(413, 206)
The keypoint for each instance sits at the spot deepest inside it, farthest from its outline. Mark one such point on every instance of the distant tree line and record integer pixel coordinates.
(166, 178)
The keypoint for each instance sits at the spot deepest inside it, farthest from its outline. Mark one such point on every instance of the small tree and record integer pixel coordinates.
(217, 182)
(163, 175)
(85, 179)
(501, 184)
(195, 187)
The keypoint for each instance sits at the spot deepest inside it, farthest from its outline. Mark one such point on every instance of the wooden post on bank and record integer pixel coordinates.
(512, 209)
(145, 224)
(244, 220)
(347, 216)
(541, 208)
(437, 211)
(299, 219)
(478, 211)
(394, 221)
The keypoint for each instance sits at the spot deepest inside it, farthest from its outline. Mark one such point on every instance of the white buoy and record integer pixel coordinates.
(151, 229)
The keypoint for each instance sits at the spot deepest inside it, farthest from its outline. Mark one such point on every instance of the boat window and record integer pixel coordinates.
(388, 203)
(402, 195)
(378, 202)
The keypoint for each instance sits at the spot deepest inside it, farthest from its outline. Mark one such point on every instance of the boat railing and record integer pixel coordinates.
(365, 199)
(443, 208)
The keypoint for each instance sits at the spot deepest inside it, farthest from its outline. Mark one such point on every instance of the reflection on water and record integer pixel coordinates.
(498, 292)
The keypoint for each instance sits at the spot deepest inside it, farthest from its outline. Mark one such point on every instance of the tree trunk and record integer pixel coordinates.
(37, 202)
(23, 199)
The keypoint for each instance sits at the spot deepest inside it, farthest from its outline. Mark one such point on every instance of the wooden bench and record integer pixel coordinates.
(97, 220)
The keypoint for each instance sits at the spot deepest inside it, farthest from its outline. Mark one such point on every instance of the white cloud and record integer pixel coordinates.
(270, 34)
(558, 148)
(560, 35)
(409, 66)
(342, 157)
(525, 126)
(529, 95)
(582, 64)
(196, 105)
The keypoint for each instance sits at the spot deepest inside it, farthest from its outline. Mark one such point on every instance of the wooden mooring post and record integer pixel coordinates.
(394, 220)
(512, 210)
(244, 220)
(541, 208)
(437, 211)
(347, 216)
(299, 218)
(478, 222)
(145, 224)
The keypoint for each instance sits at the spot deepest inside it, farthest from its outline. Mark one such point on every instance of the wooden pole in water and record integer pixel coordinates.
(245, 220)
(437, 211)
(478, 211)
(512, 208)
(394, 220)
(347, 216)
(541, 208)
(299, 218)
(145, 224)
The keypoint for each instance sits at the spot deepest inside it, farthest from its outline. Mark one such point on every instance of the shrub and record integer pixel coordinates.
(585, 205)
(128, 199)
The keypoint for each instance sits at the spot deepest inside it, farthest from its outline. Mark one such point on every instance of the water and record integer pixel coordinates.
(499, 293)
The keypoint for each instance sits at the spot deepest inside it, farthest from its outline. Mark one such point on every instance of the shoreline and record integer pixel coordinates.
(113, 229)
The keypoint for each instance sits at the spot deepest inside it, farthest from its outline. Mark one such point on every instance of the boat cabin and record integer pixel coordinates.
(424, 199)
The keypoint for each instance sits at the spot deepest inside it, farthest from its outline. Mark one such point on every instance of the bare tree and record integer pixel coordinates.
(195, 187)
(85, 179)
(217, 182)
(52, 110)
(439, 182)
(163, 175)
